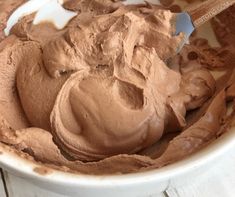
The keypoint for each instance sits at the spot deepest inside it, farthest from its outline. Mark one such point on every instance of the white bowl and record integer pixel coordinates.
(135, 184)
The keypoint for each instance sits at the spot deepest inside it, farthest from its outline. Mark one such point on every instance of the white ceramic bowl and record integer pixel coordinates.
(136, 184)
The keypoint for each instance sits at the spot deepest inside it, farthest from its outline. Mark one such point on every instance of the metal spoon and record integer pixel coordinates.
(196, 16)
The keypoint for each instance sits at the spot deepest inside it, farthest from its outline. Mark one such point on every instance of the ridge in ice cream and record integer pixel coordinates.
(98, 96)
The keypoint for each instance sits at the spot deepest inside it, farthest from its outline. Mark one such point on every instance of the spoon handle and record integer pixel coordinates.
(208, 9)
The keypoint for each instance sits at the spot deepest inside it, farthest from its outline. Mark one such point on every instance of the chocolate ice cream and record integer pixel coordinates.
(99, 97)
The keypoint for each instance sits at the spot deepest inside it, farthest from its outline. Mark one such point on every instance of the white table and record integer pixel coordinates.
(219, 181)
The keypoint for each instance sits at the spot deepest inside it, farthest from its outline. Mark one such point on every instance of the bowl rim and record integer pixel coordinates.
(14, 163)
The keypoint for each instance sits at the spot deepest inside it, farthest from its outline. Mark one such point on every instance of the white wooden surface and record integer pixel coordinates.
(219, 181)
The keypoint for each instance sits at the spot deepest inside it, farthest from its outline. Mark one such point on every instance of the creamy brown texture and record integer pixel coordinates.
(97, 97)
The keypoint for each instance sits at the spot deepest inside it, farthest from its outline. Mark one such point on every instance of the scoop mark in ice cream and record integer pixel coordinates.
(97, 96)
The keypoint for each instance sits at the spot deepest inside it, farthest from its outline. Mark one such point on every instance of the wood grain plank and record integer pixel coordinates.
(218, 181)
(2, 189)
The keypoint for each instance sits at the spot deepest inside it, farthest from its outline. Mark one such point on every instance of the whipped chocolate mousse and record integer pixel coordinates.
(98, 96)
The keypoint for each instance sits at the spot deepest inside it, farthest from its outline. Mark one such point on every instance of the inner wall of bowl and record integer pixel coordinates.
(25, 168)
